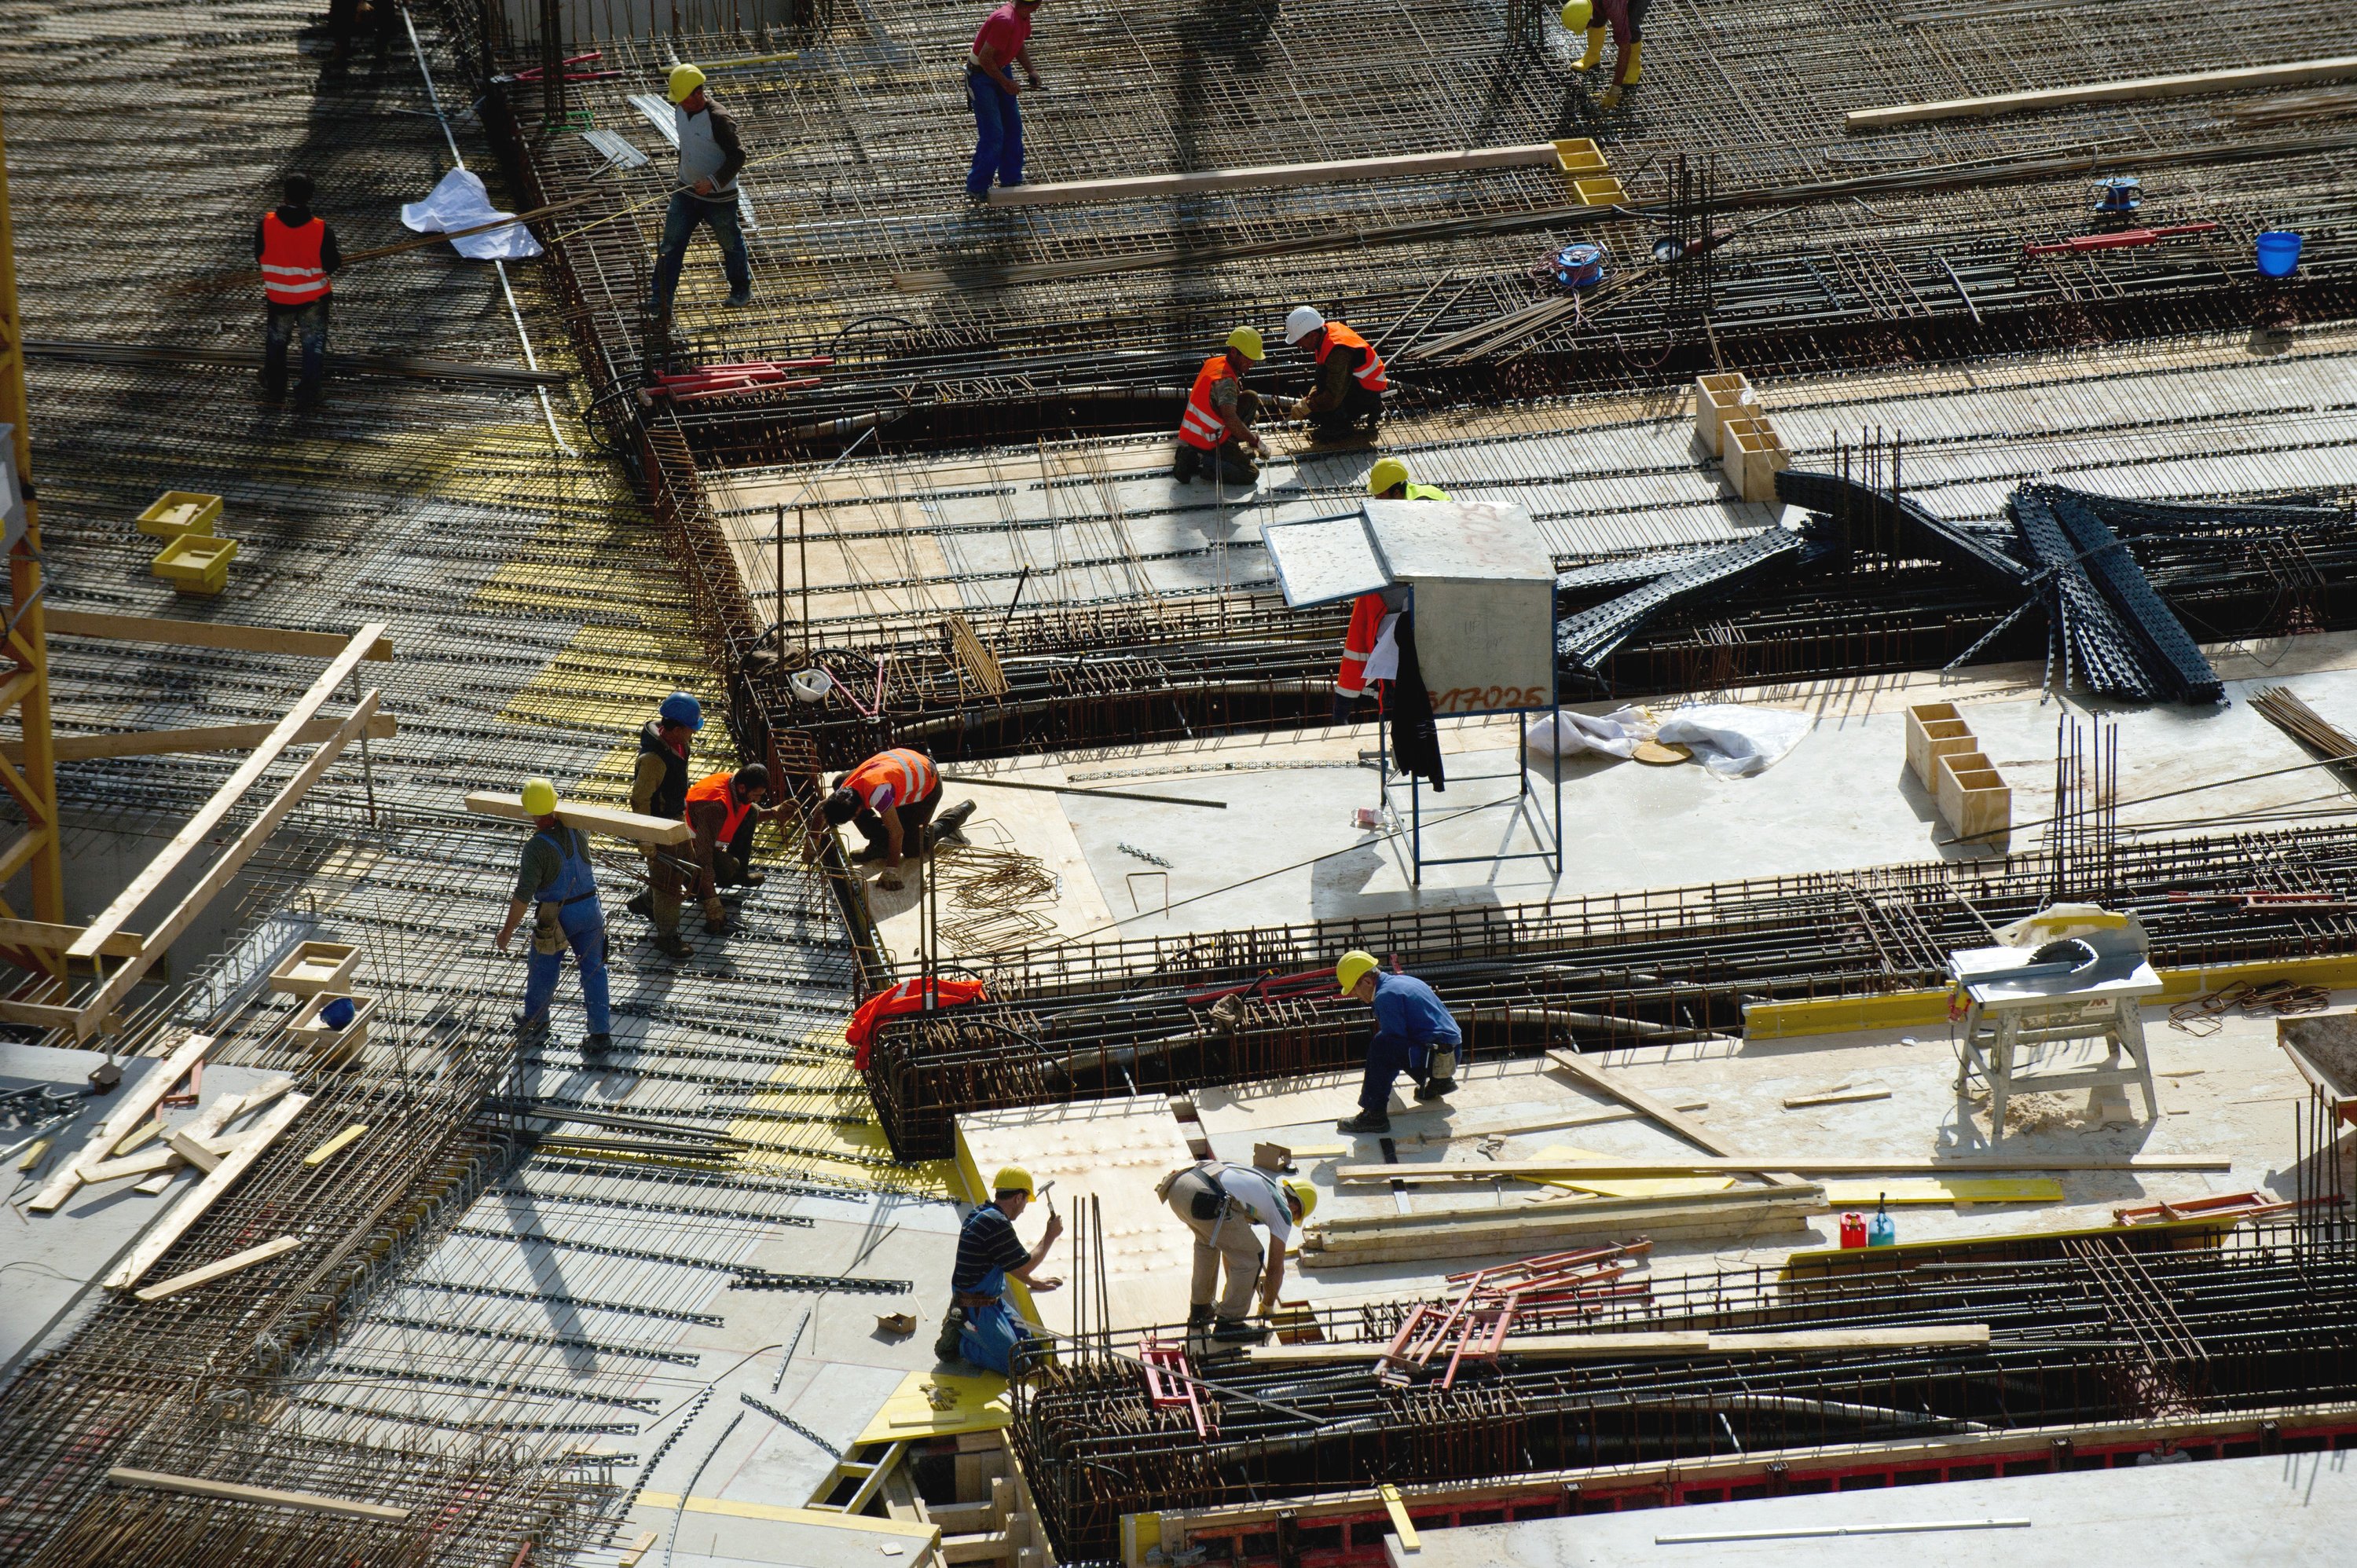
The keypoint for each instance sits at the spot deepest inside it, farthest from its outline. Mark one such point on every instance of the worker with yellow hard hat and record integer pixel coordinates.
(1626, 18)
(979, 1327)
(555, 877)
(1215, 432)
(1220, 1203)
(704, 193)
(1414, 1033)
(1373, 616)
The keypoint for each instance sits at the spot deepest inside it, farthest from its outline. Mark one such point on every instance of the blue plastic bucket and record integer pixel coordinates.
(337, 1013)
(2278, 253)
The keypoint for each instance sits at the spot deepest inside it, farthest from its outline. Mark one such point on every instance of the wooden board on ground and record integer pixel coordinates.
(228, 1491)
(1609, 1344)
(1535, 155)
(2187, 84)
(1422, 1236)
(168, 1230)
(1532, 1170)
(1942, 1189)
(207, 634)
(136, 1104)
(220, 1269)
(610, 820)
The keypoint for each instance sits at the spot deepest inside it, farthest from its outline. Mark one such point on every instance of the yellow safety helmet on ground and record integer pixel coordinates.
(540, 797)
(686, 78)
(1387, 472)
(1577, 15)
(1305, 1196)
(1355, 967)
(1014, 1178)
(1245, 340)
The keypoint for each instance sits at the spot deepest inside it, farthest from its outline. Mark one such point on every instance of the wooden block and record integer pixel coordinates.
(606, 819)
(1402, 1526)
(314, 967)
(1720, 397)
(2291, 73)
(306, 1502)
(220, 1270)
(193, 1150)
(336, 1145)
(1921, 720)
(1974, 798)
(34, 1153)
(637, 1549)
(166, 1232)
(137, 1136)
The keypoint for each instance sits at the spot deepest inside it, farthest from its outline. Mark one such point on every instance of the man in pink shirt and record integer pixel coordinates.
(1003, 42)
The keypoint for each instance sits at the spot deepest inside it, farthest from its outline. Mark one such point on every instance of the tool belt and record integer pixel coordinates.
(1205, 1206)
(970, 1302)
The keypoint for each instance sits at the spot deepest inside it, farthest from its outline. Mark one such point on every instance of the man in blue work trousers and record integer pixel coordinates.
(1414, 1033)
(980, 1328)
(555, 878)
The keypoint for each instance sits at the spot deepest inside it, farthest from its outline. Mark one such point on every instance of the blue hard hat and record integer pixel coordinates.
(679, 708)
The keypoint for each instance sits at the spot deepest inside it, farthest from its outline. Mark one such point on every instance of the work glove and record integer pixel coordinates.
(1300, 409)
(715, 916)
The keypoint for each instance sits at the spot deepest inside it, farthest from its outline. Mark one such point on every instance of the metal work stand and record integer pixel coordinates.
(2005, 1015)
(1549, 832)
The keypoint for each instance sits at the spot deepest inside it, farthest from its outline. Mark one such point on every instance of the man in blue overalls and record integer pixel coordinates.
(1414, 1033)
(556, 877)
(980, 1328)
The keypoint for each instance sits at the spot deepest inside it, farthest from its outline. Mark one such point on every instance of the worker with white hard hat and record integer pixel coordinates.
(709, 157)
(1215, 432)
(1220, 1203)
(1414, 1033)
(1374, 615)
(1348, 401)
(1626, 18)
(557, 878)
(979, 1327)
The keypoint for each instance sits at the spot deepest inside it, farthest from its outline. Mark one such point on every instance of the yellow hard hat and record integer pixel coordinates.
(686, 78)
(540, 797)
(1245, 340)
(1014, 1178)
(1387, 472)
(1355, 967)
(1303, 1194)
(1576, 14)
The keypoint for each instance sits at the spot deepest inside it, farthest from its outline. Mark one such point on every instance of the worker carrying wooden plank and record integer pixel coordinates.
(1220, 1203)
(1347, 402)
(1215, 432)
(978, 1326)
(1414, 1033)
(659, 788)
(1627, 20)
(1003, 41)
(1368, 653)
(555, 877)
(709, 157)
(889, 797)
(297, 251)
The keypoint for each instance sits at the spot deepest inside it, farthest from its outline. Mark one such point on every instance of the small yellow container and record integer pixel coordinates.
(176, 512)
(1579, 155)
(195, 563)
(1604, 190)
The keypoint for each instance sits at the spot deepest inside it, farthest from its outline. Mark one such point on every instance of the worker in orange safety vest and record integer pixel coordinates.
(724, 809)
(1348, 401)
(296, 251)
(888, 797)
(1372, 614)
(1215, 432)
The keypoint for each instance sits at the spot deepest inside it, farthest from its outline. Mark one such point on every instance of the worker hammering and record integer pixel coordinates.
(980, 1328)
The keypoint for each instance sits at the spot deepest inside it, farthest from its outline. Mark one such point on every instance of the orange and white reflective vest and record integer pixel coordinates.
(1369, 373)
(716, 789)
(908, 997)
(908, 774)
(1200, 426)
(1359, 643)
(291, 273)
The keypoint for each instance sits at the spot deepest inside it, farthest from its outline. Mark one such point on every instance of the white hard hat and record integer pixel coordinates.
(1301, 322)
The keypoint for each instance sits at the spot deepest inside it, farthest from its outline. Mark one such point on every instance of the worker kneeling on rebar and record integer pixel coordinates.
(1216, 431)
(889, 797)
(1221, 1204)
(1414, 1033)
(979, 1327)
(1348, 401)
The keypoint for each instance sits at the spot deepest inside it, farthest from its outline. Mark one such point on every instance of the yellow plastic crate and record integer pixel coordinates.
(1604, 190)
(176, 512)
(1579, 155)
(195, 563)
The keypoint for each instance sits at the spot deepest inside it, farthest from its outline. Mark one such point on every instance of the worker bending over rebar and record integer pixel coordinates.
(1627, 20)
(1348, 401)
(709, 157)
(889, 798)
(724, 809)
(1215, 432)
(1221, 1204)
(1414, 1033)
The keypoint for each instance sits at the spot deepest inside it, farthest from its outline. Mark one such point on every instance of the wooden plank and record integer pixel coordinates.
(337, 1144)
(215, 810)
(168, 1230)
(208, 634)
(1829, 1164)
(637, 1549)
(206, 738)
(1402, 1526)
(134, 1107)
(1810, 1341)
(21, 850)
(1834, 1097)
(1613, 1087)
(220, 1270)
(50, 937)
(607, 820)
(308, 1502)
(1561, 1347)
(193, 1149)
(1533, 154)
(242, 849)
(2187, 84)
(1714, 1216)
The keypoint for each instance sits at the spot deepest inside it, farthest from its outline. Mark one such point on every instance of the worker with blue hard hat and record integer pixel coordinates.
(658, 789)
(980, 1328)
(555, 878)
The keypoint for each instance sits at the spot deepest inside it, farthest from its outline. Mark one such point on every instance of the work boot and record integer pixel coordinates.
(530, 1029)
(945, 1347)
(1199, 1317)
(593, 1046)
(947, 824)
(670, 945)
(644, 906)
(740, 295)
(1365, 1121)
(1435, 1088)
(1595, 55)
(1235, 1331)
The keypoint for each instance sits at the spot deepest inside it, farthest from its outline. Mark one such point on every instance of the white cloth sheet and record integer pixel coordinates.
(1732, 740)
(461, 202)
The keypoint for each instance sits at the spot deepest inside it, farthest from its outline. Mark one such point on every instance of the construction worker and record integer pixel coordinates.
(1216, 429)
(978, 1327)
(709, 157)
(724, 809)
(1221, 1204)
(1004, 41)
(658, 789)
(297, 251)
(1374, 615)
(1413, 1032)
(1349, 399)
(889, 797)
(555, 877)
(1627, 20)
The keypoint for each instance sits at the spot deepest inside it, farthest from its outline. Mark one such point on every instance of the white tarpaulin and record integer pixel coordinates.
(1615, 734)
(461, 202)
(1733, 741)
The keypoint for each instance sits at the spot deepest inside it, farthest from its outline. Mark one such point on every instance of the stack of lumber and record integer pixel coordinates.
(1350, 1238)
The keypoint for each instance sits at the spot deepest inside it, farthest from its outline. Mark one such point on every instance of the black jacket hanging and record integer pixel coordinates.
(1415, 739)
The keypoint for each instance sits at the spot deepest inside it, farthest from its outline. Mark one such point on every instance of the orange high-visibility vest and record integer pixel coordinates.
(1359, 643)
(291, 273)
(1200, 426)
(908, 997)
(1370, 373)
(910, 773)
(715, 788)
